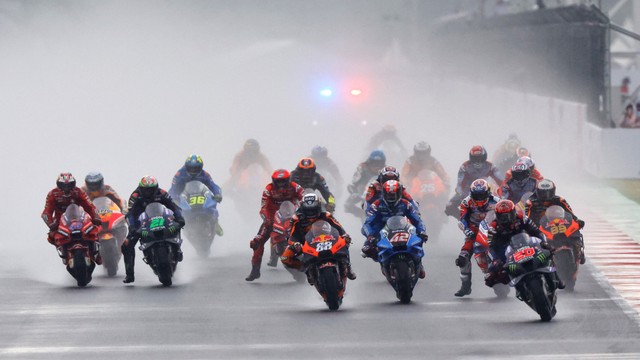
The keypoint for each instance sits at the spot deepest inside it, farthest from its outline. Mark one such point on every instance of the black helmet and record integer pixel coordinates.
(388, 173)
(148, 186)
(94, 181)
(310, 205)
(546, 190)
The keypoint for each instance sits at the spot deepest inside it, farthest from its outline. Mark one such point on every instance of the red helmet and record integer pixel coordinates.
(478, 154)
(505, 212)
(480, 192)
(391, 192)
(66, 182)
(388, 173)
(281, 178)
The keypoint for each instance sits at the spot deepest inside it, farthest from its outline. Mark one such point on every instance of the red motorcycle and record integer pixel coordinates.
(562, 234)
(428, 190)
(77, 243)
(114, 231)
(324, 254)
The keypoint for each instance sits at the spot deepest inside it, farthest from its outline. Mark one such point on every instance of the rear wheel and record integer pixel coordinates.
(110, 256)
(329, 278)
(164, 265)
(404, 290)
(566, 265)
(80, 268)
(540, 298)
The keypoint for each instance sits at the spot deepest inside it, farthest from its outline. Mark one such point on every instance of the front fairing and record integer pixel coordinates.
(399, 237)
(196, 197)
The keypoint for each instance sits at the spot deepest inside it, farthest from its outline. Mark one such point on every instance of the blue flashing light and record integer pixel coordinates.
(326, 92)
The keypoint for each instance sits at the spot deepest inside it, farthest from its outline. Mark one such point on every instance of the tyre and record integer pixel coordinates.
(109, 252)
(164, 265)
(539, 298)
(404, 288)
(501, 290)
(329, 280)
(80, 268)
(566, 266)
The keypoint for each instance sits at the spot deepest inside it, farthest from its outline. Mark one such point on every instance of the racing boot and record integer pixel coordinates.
(422, 274)
(273, 259)
(179, 254)
(465, 289)
(350, 274)
(129, 257)
(255, 273)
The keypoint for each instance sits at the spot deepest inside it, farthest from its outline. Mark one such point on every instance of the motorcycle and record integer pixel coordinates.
(201, 216)
(324, 254)
(247, 189)
(428, 190)
(114, 232)
(531, 272)
(400, 255)
(77, 243)
(562, 234)
(160, 241)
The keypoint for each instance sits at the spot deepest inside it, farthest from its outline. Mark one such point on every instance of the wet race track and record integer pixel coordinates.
(211, 312)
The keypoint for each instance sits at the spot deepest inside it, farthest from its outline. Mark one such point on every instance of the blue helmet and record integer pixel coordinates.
(193, 165)
(377, 159)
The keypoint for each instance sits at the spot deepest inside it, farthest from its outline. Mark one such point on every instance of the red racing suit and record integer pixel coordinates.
(106, 191)
(272, 198)
(57, 202)
(535, 173)
(374, 192)
(470, 217)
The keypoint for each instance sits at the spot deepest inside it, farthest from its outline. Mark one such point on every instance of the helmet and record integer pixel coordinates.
(505, 212)
(319, 151)
(522, 151)
(477, 155)
(391, 192)
(520, 172)
(193, 164)
(377, 159)
(513, 143)
(388, 173)
(281, 178)
(422, 150)
(148, 186)
(389, 129)
(310, 205)
(307, 168)
(66, 182)
(479, 191)
(251, 146)
(94, 181)
(545, 190)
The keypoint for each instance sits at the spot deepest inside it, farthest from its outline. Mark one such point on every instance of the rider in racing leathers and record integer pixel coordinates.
(363, 175)
(326, 165)
(421, 160)
(95, 187)
(305, 175)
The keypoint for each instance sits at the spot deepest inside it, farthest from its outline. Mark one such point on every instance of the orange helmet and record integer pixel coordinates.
(307, 168)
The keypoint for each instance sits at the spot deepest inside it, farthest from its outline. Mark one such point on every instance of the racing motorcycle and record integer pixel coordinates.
(324, 254)
(428, 190)
(246, 190)
(400, 255)
(114, 231)
(201, 216)
(77, 243)
(562, 233)
(160, 241)
(532, 274)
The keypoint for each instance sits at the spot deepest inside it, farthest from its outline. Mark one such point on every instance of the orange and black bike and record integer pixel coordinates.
(114, 231)
(563, 234)
(324, 257)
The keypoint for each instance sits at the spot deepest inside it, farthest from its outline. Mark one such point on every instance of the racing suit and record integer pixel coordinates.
(414, 165)
(374, 192)
(327, 166)
(467, 173)
(57, 202)
(181, 178)
(317, 182)
(514, 190)
(106, 191)
(363, 175)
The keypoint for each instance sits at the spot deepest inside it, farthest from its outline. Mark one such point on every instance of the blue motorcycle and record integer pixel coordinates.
(201, 216)
(400, 255)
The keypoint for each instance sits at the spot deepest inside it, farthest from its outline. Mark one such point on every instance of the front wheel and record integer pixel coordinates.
(566, 265)
(80, 268)
(404, 290)
(501, 290)
(330, 283)
(540, 298)
(164, 265)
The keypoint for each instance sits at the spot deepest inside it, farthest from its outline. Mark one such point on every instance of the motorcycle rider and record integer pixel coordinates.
(192, 170)
(59, 198)
(326, 165)
(477, 167)
(364, 173)
(520, 184)
(250, 154)
(280, 189)
(508, 222)
(535, 173)
(146, 193)
(309, 212)
(390, 204)
(387, 133)
(95, 187)
(374, 191)
(506, 154)
(544, 197)
(421, 160)
(305, 175)
(473, 210)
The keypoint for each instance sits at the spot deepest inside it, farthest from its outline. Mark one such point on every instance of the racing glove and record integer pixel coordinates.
(296, 247)
(347, 239)
(217, 197)
(580, 223)
(424, 237)
(469, 233)
(180, 221)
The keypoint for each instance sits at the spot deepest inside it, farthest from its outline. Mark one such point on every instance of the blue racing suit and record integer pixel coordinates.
(181, 178)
